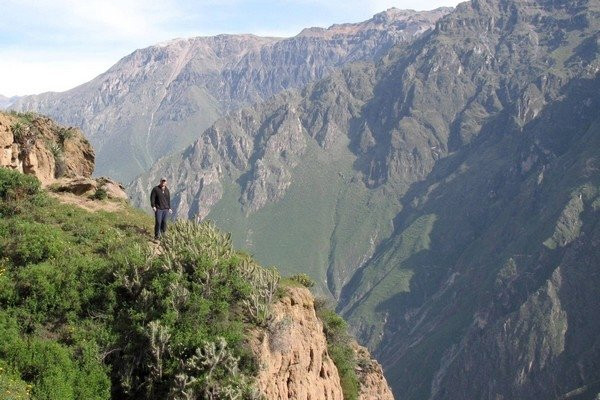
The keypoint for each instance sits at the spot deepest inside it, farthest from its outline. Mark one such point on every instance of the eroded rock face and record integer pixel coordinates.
(292, 352)
(56, 155)
(35, 145)
(294, 361)
(373, 385)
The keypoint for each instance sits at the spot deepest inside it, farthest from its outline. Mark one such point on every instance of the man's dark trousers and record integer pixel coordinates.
(160, 222)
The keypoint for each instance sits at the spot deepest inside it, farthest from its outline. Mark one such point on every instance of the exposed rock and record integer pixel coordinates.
(77, 186)
(82, 186)
(292, 353)
(373, 384)
(293, 359)
(114, 190)
(35, 145)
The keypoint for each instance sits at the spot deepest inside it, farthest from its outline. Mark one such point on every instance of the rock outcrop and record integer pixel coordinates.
(36, 145)
(294, 362)
(82, 186)
(58, 156)
(373, 385)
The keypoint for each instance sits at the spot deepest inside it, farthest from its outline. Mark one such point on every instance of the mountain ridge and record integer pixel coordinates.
(172, 92)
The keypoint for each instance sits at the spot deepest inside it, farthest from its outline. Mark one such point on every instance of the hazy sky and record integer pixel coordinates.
(58, 44)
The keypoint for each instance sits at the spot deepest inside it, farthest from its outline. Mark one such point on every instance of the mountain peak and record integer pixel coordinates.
(392, 20)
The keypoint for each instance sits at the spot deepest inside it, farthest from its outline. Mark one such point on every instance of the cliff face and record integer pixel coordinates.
(36, 145)
(159, 99)
(292, 353)
(373, 384)
(293, 358)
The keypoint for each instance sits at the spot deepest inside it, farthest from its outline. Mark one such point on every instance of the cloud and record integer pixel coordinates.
(29, 72)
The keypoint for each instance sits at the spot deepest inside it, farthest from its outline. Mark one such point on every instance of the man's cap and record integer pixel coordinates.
(163, 179)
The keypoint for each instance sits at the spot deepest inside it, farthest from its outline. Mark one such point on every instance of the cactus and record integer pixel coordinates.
(264, 283)
(159, 337)
(195, 262)
(199, 374)
(303, 279)
(213, 355)
(182, 389)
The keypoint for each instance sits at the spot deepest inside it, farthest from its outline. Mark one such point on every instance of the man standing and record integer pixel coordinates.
(160, 199)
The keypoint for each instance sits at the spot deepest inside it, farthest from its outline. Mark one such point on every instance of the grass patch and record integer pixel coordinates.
(340, 350)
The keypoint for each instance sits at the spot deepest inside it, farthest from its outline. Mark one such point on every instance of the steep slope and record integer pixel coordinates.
(257, 171)
(475, 151)
(474, 295)
(157, 100)
(90, 309)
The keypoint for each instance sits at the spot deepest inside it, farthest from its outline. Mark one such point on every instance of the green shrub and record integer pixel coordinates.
(12, 387)
(32, 242)
(64, 134)
(88, 311)
(18, 131)
(342, 354)
(27, 117)
(16, 186)
(56, 149)
(100, 194)
(303, 279)
(18, 192)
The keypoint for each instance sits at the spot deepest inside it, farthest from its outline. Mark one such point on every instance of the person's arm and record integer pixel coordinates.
(153, 199)
(168, 194)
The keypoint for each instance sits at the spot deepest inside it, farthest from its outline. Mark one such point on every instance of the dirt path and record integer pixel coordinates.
(86, 203)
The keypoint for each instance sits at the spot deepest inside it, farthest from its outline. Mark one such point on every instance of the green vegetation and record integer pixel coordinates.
(303, 280)
(56, 149)
(13, 388)
(24, 130)
(17, 191)
(340, 350)
(89, 311)
(64, 134)
(391, 273)
(25, 118)
(100, 194)
(18, 131)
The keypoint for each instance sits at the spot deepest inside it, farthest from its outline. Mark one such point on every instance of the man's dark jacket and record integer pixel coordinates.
(161, 199)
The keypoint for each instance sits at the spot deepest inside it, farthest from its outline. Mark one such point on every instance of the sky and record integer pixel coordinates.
(55, 45)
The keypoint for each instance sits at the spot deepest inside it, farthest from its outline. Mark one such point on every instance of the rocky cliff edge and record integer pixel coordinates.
(294, 362)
